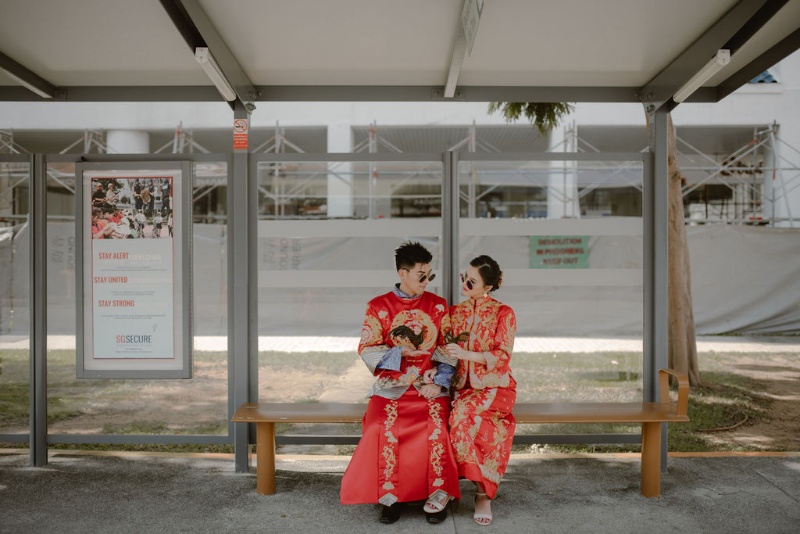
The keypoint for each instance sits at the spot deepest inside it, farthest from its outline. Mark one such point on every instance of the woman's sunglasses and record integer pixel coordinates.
(465, 280)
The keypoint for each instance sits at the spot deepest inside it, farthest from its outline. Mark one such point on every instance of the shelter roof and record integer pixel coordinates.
(385, 50)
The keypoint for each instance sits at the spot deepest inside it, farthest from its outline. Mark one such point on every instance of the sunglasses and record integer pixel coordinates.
(464, 280)
(429, 277)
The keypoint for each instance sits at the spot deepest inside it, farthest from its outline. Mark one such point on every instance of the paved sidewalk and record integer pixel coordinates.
(143, 493)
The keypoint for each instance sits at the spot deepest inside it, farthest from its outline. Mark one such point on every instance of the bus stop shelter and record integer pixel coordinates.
(658, 54)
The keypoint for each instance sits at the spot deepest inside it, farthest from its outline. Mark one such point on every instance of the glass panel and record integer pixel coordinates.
(14, 300)
(114, 406)
(571, 254)
(327, 232)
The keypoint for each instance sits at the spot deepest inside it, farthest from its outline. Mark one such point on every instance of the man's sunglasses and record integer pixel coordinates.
(465, 280)
(429, 277)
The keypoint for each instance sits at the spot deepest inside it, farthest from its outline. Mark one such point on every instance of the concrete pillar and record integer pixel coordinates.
(128, 142)
(340, 175)
(6, 147)
(782, 190)
(562, 186)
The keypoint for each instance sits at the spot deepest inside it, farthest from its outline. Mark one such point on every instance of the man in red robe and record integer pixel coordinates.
(404, 454)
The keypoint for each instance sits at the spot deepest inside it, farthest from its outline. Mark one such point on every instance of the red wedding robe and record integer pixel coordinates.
(404, 453)
(481, 423)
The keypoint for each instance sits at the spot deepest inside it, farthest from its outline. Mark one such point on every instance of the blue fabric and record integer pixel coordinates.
(444, 375)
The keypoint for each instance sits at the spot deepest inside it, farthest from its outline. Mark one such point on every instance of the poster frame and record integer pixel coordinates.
(179, 365)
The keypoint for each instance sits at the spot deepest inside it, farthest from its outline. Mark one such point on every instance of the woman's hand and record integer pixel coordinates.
(430, 391)
(457, 352)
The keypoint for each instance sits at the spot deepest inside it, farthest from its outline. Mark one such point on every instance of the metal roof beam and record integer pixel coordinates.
(768, 59)
(27, 78)
(192, 22)
(661, 88)
(340, 93)
(135, 93)
(468, 18)
(456, 62)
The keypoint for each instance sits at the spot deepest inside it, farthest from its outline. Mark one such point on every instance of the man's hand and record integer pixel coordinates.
(427, 376)
(430, 391)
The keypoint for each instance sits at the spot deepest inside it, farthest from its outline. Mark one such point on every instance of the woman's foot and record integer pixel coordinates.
(483, 510)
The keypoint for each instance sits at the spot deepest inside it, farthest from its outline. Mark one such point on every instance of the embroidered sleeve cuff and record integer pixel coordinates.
(491, 360)
(391, 360)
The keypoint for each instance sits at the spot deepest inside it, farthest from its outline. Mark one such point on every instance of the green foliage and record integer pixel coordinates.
(14, 402)
(543, 115)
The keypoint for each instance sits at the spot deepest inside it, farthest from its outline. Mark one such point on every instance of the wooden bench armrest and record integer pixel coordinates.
(683, 389)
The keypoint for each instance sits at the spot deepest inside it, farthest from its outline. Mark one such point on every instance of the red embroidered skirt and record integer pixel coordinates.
(404, 453)
(482, 432)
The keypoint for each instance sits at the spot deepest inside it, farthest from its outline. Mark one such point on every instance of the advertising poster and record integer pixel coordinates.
(134, 287)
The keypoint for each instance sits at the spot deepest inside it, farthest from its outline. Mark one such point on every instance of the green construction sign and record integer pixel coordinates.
(559, 252)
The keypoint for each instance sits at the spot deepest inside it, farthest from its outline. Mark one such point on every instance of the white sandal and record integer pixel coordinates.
(437, 502)
(483, 520)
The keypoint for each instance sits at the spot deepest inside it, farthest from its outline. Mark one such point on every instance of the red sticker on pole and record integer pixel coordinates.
(240, 133)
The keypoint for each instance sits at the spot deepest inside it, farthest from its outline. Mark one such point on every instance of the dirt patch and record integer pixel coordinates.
(779, 430)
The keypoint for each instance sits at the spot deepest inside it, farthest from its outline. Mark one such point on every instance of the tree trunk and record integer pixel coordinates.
(682, 342)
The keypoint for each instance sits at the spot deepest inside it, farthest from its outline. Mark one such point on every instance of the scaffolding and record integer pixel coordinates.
(744, 186)
(750, 185)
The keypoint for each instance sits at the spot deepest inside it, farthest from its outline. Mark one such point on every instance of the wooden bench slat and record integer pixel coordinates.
(276, 412)
(541, 413)
(590, 412)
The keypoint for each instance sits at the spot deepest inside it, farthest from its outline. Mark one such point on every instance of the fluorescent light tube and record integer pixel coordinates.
(720, 59)
(209, 64)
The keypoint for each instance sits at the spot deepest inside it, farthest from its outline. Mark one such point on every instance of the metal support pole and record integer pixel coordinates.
(373, 148)
(656, 257)
(450, 217)
(242, 294)
(38, 311)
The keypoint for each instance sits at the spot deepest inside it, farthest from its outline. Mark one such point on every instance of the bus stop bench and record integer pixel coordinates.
(649, 414)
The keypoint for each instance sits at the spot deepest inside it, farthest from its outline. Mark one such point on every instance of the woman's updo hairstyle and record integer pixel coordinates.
(489, 270)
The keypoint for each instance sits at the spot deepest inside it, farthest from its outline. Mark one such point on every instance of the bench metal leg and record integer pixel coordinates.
(651, 459)
(265, 458)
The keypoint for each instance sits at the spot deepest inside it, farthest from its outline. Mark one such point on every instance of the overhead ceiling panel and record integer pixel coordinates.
(578, 43)
(97, 42)
(346, 42)
(368, 44)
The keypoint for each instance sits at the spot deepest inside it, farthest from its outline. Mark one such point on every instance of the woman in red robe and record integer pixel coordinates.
(481, 423)
(404, 454)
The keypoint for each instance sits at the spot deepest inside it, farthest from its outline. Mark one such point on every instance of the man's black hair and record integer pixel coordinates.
(409, 254)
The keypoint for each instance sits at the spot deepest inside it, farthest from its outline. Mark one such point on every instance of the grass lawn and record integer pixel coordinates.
(199, 406)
